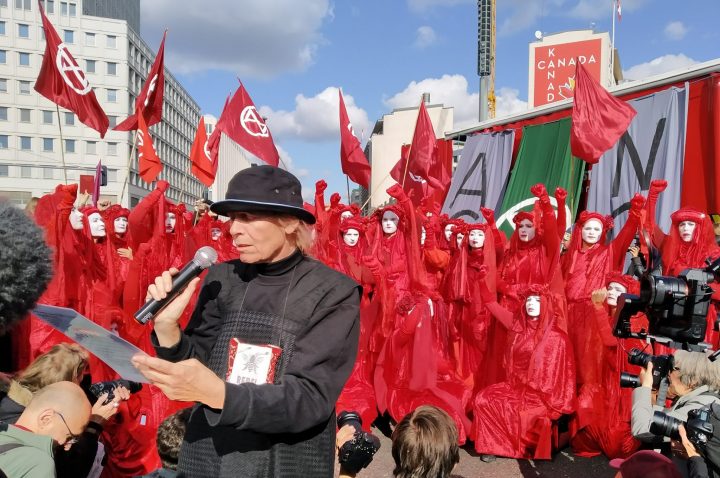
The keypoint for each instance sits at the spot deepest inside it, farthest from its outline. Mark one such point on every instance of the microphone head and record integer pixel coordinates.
(205, 257)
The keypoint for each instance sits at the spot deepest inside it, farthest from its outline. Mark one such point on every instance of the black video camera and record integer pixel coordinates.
(356, 454)
(698, 427)
(676, 307)
(662, 366)
(99, 388)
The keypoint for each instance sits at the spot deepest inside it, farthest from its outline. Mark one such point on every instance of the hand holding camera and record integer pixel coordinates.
(356, 453)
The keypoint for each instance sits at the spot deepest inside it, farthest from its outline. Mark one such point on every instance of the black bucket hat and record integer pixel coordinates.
(264, 189)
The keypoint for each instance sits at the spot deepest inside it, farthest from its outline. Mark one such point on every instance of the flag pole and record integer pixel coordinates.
(347, 178)
(407, 164)
(612, 43)
(62, 143)
(376, 190)
(129, 164)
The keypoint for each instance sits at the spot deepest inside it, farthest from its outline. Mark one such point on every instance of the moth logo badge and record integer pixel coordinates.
(253, 123)
(71, 73)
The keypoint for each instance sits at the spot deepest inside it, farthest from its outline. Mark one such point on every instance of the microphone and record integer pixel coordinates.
(204, 258)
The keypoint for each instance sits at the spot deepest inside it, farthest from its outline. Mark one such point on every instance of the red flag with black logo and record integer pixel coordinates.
(149, 163)
(598, 118)
(150, 99)
(202, 166)
(243, 124)
(353, 160)
(62, 81)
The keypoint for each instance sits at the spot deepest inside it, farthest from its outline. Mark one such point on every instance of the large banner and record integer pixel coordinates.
(544, 157)
(652, 148)
(481, 175)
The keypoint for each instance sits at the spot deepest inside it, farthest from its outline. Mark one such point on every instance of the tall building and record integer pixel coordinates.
(389, 135)
(103, 37)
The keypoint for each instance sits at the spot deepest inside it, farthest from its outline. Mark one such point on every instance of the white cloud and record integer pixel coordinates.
(675, 30)
(658, 66)
(286, 162)
(276, 37)
(425, 37)
(508, 103)
(423, 5)
(316, 119)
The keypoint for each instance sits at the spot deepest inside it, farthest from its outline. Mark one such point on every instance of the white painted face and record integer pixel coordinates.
(423, 235)
(532, 306)
(351, 237)
(613, 293)
(170, 221)
(448, 231)
(345, 215)
(591, 231)
(76, 219)
(97, 225)
(215, 233)
(476, 238)
(390, 222)
(686, 230)
(459, 238)
(526, 230)
(120, 224)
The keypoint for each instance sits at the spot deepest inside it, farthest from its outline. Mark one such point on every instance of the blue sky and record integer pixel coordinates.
(291, 54)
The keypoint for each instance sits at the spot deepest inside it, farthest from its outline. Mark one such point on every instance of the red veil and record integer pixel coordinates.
(677, 254)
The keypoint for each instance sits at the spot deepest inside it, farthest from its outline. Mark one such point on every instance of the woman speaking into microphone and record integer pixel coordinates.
(269, 346)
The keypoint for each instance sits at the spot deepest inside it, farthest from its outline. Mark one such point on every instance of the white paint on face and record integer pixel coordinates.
(170, 221)
(76, 219)
(591, 231)
(532, 306)
(459, 238)
(526, 230)
(345, 215)
(390, 222)
(448, 231)
(351, 237)
(476, 238)
(687, 230)
(215, 233)
(97, 225)
(613, 293)
(120, 224)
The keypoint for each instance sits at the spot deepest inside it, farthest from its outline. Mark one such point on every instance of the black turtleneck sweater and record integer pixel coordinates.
(285, 428)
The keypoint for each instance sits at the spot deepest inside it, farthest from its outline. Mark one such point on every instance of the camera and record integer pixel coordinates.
(698, 427)
(356, 454)
(676, 307)
(99, 388)
(662, 365)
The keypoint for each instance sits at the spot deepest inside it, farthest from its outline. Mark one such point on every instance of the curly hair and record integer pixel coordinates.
(170, 436)
(25, 264)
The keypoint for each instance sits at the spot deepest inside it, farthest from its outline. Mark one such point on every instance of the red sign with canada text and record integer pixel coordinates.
(555, 68)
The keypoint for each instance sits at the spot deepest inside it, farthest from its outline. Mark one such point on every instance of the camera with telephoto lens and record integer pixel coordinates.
(99, 388)
(662, 365)
(698, 427)
(676, 307)
(357, 453)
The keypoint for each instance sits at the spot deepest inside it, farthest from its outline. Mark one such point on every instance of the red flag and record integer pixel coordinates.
(150, 165)
(598, 118)
(353, 160)
(422, 149)
(414, 186)
(150, 99)
(62, 81)
(202, 166)
(244, 125)
(213, 142)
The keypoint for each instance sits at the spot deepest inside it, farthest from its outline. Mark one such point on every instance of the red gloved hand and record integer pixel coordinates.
(162, 185)
(396, 191)
(637, 202)
(488, 214)
(320, 186)
(560, 194)
(482, 271)
(657, 186)
(335, 199)
(539, 191)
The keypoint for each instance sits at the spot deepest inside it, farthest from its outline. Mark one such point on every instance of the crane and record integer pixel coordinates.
(486, 57)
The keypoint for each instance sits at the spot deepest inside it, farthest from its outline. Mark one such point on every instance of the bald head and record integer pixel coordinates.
(60, 410)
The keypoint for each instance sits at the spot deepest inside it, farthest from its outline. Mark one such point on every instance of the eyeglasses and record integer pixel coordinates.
(73, 437)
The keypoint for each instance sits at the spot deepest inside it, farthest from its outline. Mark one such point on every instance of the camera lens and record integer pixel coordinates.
(349, 418)
(639, 358)
(628, 380)
(665, 425)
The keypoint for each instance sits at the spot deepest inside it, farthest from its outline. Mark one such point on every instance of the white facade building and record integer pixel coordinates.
(116, 61)
(389, 135)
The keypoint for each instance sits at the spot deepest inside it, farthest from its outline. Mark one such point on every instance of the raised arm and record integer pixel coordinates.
(657, 186)
(622, 241)
(560, 197)
(498, 235)
(140, 220)
(550, 238)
